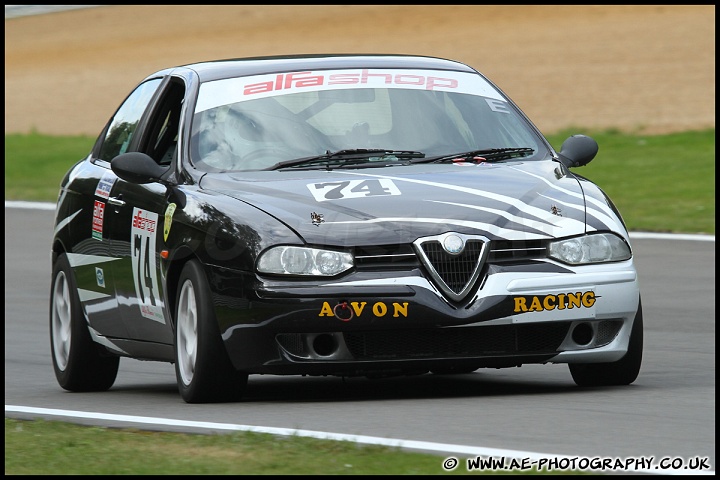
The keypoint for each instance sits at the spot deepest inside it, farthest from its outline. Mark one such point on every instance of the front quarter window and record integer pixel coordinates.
(123, 124)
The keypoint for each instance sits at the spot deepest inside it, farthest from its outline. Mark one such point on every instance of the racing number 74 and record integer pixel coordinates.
(353, 189)
(142, 270)
(144, 267)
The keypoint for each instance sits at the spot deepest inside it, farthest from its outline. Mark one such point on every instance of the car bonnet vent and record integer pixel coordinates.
(453, 260)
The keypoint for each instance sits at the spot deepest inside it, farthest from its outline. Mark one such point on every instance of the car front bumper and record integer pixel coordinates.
(398, 322)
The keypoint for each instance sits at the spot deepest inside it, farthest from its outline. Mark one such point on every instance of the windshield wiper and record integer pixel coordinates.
(353, 156)
(486, 155)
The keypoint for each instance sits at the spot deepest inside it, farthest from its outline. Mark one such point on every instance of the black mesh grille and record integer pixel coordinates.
(458, 342)
(607, 330)
(454, 270)
(293, 343)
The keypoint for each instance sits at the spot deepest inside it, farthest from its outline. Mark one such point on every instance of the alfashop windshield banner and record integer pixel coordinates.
(232, 90)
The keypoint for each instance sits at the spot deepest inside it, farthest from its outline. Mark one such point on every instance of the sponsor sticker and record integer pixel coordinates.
(357, 309)
(105, 185)
(169, 211)
(100, 277)
(232, 90)
(317, 218)
(560, 301)
(97, 222)
(144, 264)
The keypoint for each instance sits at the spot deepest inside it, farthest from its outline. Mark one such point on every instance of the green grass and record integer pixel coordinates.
(41, 447)
(663, 183)
(35, 164)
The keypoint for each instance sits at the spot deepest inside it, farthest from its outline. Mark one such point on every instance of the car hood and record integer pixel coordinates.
(512, 200)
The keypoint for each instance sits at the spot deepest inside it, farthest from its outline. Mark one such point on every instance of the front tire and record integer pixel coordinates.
(80, 364)
(203, 369)
(622, 372)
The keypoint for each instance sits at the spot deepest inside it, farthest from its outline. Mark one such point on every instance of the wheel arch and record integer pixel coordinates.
(57, 249)
(181, 257)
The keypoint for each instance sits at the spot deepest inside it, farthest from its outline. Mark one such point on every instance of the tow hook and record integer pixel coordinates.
(343, 312)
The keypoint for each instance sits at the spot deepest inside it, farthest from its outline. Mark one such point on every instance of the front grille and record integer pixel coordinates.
(454, 270)
(453, 261)
(491, 340)
(378, 257)
(516, 250)
(454, 274)
(395, 256)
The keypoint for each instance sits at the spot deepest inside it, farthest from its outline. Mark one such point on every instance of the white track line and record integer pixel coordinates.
(450, 449)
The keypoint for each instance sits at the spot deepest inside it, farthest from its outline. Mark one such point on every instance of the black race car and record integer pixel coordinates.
(346, 215)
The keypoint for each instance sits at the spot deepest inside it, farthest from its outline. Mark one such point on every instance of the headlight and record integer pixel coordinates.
(288, 260)
(593, 248)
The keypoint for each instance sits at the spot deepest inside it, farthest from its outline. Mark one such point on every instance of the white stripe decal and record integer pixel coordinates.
(610, 222)
(102, 340)
(605, 211)
(79, 259)
(546, 226)
(608, 219)
(580, 207)
(61, 224)
(87, 295)
(572, 193)
(523, 207)
(494, 211)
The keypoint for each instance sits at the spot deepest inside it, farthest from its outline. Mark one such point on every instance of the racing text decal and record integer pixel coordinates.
(353, 189)
(144, 265)
(356, 309)
(561, 301)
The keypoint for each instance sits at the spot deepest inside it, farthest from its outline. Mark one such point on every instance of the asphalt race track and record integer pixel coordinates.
(668, 412)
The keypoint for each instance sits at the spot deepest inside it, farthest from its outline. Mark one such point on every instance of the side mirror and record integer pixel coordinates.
(578, 151)
(136, 167)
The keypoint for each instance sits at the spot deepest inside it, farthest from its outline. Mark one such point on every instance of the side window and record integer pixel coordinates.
(126, 119)
(163, 127)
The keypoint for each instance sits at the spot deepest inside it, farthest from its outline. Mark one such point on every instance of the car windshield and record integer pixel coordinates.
(256, 123)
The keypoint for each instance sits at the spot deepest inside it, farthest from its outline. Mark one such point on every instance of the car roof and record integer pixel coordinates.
(217, 69)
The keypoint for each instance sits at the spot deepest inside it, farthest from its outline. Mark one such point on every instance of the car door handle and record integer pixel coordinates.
(116, 201)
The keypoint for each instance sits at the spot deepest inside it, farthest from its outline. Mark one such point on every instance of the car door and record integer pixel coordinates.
(82, 213)
(135, 225)
(88, 204)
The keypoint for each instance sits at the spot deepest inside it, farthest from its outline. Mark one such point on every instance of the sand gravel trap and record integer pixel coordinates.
(637, 68)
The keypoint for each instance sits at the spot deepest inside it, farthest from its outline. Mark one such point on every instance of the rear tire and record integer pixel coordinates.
(80, 364)
(203, 369)
(622, 372)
